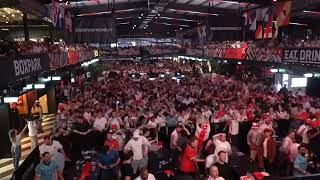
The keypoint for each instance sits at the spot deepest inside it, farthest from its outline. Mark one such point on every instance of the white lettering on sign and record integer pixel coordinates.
(25, 66)
(286, 54)
(316, 55)
(310, 56)
(302, 55)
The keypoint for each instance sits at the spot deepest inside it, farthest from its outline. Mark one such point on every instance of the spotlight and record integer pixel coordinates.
(10, 99)
(39, 86)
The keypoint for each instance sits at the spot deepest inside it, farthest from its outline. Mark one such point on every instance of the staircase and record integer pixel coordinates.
(6, 165)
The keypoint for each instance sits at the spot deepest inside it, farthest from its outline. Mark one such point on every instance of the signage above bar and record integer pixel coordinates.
(14, 68)
(310, 55)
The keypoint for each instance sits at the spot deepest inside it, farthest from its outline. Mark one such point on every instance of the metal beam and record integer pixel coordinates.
(197, 8)
(106, 7)
(183, 16)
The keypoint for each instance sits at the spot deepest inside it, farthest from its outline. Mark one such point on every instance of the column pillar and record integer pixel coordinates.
(25, 27)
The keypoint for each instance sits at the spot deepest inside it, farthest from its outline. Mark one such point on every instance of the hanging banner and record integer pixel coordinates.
(94, 30)
(309, 55)
(224, 28)
(264, 54)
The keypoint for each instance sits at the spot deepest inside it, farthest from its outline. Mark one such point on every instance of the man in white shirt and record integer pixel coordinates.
(266, 123)
(100, 122)
(214, 174)
(138, 146)
(206, 112)
(302, 131)
(145, 175)
(56, 150)
(33, 131)
(234, 126)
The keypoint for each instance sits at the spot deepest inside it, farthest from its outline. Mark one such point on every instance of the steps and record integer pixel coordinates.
(6, 165)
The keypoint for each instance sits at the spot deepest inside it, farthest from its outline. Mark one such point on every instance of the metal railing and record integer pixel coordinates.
(26, 170)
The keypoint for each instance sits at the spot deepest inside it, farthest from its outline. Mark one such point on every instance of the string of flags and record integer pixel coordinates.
(261, 20)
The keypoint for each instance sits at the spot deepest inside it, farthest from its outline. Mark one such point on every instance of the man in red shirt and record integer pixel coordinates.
(189, 158)
(110, 142)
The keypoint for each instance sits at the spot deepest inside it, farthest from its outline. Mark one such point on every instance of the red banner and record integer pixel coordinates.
(235, 53)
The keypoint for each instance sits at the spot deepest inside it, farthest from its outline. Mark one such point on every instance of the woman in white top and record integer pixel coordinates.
(15, 139)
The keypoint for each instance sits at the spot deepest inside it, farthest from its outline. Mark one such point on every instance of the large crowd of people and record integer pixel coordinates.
(31, 47)
(163, 121)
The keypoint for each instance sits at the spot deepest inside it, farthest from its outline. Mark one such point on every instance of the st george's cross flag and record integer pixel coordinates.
(283, 13)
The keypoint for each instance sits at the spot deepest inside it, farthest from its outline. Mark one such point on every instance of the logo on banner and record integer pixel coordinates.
(302, 55)
(25, 66)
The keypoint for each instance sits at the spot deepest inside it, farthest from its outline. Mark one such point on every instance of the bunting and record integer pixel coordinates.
(67, 22)
(54, 12)
(265, 20)
(283, 13)
(251, 20)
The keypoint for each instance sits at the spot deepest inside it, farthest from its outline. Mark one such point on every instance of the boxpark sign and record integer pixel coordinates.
(17, 67)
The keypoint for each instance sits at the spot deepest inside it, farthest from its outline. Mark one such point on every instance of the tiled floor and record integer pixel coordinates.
(6, 165)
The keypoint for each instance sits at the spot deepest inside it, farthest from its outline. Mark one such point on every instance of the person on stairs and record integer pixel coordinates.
(15, 139)
(36, 112)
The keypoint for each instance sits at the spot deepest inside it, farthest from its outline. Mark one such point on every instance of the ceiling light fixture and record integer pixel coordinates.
(231, 2)
(180, 19)
(193, 12)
